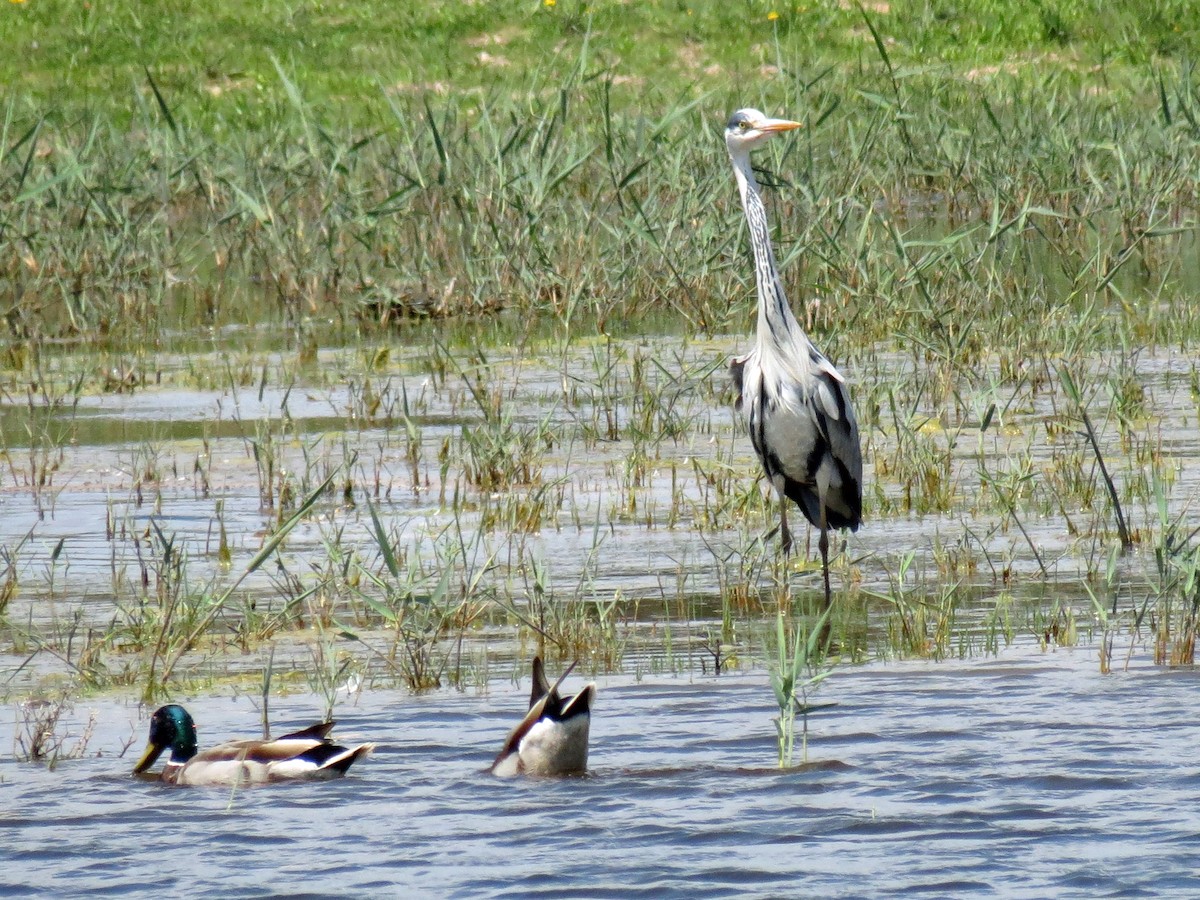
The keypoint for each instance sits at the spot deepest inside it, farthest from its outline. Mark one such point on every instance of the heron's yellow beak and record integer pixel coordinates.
(150, 754)
(773, 125)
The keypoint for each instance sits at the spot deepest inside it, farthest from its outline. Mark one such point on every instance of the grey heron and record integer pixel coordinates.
(793, 400)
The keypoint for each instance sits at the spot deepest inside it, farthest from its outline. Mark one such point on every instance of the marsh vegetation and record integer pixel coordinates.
(396, 381)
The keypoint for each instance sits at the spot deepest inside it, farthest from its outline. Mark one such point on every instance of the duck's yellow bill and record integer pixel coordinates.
(150, 754)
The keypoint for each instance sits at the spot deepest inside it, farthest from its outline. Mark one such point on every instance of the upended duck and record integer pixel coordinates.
(552, 739)
(308, 753)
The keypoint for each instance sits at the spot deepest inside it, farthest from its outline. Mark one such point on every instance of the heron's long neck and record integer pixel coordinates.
(775, 320)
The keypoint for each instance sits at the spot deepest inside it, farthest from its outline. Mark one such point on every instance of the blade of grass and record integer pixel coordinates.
(268, 548)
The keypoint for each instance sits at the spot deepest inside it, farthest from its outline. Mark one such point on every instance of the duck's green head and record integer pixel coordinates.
(170, 727)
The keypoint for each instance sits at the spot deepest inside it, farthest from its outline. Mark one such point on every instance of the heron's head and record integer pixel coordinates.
(749, 128)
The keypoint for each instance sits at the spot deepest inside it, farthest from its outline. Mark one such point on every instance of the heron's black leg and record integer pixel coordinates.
(785, 533)
(823, 545)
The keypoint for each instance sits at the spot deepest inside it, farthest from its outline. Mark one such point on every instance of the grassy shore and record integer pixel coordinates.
(71, 59)
(153, 186)
(355, 164)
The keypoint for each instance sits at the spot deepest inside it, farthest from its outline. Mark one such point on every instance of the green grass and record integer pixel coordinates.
(910, 195)
(73, 59)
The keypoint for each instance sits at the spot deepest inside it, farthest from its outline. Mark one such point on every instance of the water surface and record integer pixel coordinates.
(1027, 775)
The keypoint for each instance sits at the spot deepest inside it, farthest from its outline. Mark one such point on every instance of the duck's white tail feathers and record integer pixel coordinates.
(322, 761)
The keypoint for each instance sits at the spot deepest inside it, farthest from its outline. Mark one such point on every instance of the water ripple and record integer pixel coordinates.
(1027, 776)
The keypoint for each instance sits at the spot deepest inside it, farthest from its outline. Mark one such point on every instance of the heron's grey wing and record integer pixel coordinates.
(834, 416)
(833, 400)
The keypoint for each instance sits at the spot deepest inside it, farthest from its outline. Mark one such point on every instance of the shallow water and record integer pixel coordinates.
(1027, 775)
(182, 459)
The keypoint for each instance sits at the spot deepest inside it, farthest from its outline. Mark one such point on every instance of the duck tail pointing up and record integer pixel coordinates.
(332, 758)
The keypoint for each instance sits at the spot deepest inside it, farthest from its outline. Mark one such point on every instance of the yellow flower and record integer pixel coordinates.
(549, 3)
(16, 1)
(772, 16)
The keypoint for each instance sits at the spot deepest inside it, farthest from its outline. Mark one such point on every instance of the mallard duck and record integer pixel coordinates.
(302, 754)
(552, 739)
